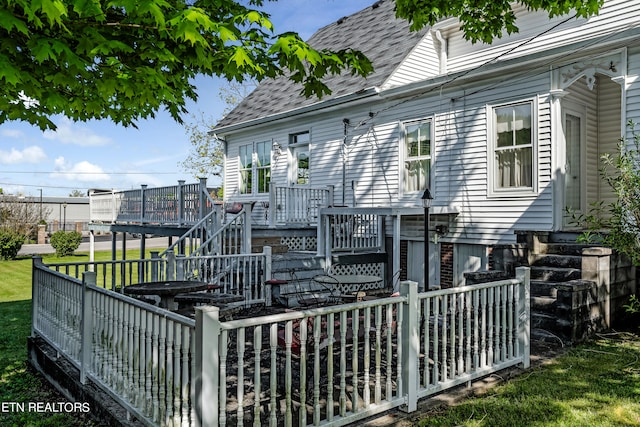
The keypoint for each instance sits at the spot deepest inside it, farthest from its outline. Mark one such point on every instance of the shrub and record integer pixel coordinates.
(65, 243)
(10, 243)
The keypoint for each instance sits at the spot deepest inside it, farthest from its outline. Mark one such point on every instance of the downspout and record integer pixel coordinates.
(442, 51)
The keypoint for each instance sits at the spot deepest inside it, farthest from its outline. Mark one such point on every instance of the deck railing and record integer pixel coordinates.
(297, 205)
(331, 366)
(181, 204)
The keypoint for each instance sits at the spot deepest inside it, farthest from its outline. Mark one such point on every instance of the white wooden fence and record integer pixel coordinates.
(340, 364)
(331, 366)
(139, 354)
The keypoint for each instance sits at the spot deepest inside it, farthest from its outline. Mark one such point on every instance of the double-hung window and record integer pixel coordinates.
(255, 167)
(513, 148)
(416, 156)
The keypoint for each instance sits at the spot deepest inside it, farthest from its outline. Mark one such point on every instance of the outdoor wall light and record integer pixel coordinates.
(277, 150)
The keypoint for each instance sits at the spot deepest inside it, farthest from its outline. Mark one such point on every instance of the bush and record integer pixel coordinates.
(65, 243)
(10, 243)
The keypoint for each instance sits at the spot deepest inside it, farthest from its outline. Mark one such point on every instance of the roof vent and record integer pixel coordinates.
(341, 20)
(377, 4)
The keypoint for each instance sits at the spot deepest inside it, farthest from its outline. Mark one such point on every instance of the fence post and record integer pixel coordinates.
(35, 292)
(88, 278)
(203, 199)
(155, 265)
(267, 251)
(180, 196)
(410, 345)
(246, 230)
(272, 205)
(170, 273)
(523, 275)
(180, 261)
(205, 377)
(143, 212)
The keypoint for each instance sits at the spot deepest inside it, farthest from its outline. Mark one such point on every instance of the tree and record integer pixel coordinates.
(485, 20)
(206, 155)
(22, 216)
(125, 60)
(77, 193)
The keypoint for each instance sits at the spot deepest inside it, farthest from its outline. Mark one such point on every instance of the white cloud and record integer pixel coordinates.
(81, 171)
(71, 133)
(31, 154)
(12, 133)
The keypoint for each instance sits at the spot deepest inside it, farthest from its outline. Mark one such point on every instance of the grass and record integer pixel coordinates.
(18, 382)
(595, 384)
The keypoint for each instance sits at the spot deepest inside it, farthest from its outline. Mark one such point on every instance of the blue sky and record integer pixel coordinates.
(100, 154)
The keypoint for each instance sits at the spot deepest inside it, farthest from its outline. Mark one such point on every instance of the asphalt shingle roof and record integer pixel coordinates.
(375, 31)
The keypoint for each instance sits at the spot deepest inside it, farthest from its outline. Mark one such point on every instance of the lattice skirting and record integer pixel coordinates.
(300, 243)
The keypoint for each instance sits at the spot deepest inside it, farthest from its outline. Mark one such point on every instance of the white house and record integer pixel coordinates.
(506, 135)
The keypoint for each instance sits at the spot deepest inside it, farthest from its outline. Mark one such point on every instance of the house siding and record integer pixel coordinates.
(633, 87)
(459, 109)
(614, 16)
(422, 63)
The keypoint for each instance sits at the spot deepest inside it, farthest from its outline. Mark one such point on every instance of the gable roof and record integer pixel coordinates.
(375, 31)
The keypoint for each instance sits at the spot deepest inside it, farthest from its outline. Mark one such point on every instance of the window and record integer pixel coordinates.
(255, 161)
(416, 156)
(513, 147)
(299, 143)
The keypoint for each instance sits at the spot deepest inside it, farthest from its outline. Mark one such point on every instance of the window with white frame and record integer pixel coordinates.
(255, 167)
(299, 146)
(416, 156)
(513, 147)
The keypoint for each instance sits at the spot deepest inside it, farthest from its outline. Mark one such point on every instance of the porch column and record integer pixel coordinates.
(596, 266)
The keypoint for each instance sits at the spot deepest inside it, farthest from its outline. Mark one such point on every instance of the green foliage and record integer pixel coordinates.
(10, 243)
(633, 306)
(617, 224)
(126, 60)
(65, 243)
(206, 155)
(485, 20)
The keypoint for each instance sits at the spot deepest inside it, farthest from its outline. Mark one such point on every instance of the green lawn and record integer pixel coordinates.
(18, 383)
(596, 384)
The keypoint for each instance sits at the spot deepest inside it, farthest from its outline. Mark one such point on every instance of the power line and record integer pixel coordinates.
(89, 173)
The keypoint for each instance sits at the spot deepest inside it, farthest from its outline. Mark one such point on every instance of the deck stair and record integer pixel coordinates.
(560, 299)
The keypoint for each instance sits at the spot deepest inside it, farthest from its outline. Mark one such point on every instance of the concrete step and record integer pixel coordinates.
(556, 260)
(544, 288)
(544, 304)
(563, 248)
(555, 274)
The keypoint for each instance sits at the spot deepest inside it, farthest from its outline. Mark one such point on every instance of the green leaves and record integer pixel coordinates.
(486, 20)
(126, 59)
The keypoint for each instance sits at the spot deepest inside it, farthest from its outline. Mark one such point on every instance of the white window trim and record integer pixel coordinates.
(401, 141)
(492, 191)
(254, 167)
(292, 166)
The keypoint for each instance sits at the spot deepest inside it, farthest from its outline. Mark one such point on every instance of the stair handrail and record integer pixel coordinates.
(234, 237)
(207, 224)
